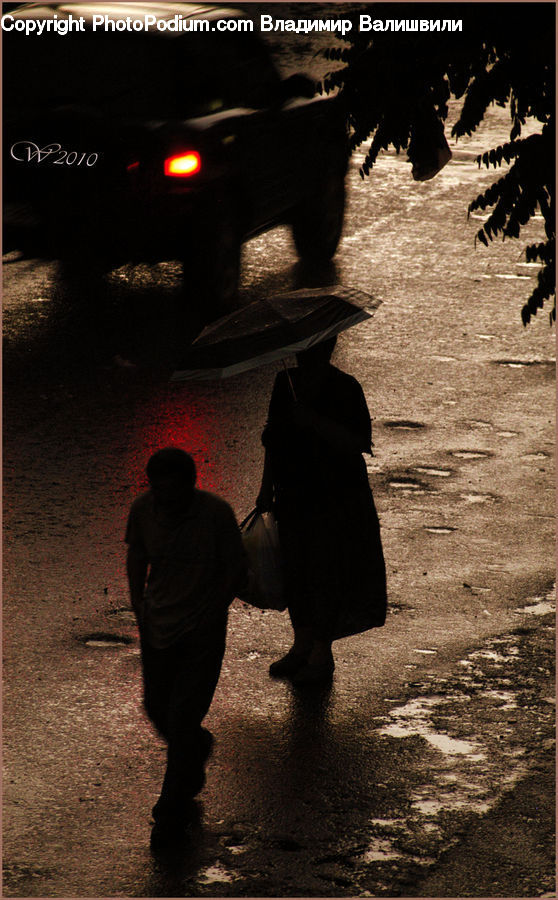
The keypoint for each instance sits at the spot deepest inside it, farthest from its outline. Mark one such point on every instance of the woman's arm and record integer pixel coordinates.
(340, 438)
(264, 501)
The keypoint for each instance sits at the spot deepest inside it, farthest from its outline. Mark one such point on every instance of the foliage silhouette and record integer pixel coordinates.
(396, 85)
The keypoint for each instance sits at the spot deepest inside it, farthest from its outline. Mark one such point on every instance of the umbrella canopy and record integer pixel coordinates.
(271, 329)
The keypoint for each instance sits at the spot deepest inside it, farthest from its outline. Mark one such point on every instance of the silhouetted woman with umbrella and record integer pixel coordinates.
(316, 482)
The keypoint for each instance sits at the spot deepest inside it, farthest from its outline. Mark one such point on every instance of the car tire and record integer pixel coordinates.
(211, 270)
(317, 223)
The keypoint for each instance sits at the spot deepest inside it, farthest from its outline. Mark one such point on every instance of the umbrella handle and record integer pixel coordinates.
(289, 379)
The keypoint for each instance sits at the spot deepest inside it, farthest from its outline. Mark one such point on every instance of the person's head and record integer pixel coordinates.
(172, 476)
(317, 356)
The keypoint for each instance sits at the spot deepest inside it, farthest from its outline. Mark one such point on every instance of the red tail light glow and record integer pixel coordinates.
(183, 165)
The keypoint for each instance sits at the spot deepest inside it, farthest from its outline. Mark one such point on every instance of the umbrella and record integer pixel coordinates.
(271, 329)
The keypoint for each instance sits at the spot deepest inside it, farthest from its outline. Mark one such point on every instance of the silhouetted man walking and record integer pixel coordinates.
(185, 565)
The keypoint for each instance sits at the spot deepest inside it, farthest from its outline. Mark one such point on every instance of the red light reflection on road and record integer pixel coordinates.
(174, 420)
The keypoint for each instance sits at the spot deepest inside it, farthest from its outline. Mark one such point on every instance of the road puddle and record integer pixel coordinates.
(430, 470)
(217, 875)
(467, 769)
(453, 747)
(494, 656)
(542, 608)
(236, 849)
(506, 697)
(447, 803)
(103, 640)
(477, 498)
(415, 719)
(380, 851)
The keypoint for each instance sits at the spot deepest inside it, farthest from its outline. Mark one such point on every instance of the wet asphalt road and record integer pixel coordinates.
(435, 741)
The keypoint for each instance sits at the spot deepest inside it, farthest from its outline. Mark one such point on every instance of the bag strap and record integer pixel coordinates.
(249, 518)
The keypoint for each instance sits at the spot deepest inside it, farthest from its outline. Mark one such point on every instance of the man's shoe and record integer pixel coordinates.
(287, 665)
(170, 833)
(168, 836)
(314, 673)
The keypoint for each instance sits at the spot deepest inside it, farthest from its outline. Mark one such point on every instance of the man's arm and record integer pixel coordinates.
(136, 568)
(232, 556)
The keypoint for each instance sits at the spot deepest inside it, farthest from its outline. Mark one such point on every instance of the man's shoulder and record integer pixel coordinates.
(212, 503)
(143, 503)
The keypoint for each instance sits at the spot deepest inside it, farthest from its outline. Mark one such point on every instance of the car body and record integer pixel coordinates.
(128, 147)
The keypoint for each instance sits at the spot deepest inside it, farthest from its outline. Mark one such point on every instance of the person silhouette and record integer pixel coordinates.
(185, 565)
(315, 480)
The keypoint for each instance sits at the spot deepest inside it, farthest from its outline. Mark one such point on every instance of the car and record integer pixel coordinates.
(125, 146)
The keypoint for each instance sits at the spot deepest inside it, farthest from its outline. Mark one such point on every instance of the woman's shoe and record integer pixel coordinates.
(314, 673)
(287, 665)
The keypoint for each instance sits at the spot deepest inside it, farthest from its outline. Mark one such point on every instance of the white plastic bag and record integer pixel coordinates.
(261, 542)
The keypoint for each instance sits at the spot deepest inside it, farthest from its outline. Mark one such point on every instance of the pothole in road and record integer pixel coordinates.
(470, 454)
(477, 498)
(123, 614)
(407, 485)
(480, 423)
(404, 424)
(523, 363)
(535, 457)
(102, 639)
(508, 275)
(440, 529)
(431, 470)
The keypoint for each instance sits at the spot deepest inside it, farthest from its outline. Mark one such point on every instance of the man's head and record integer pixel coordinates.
(172, 476)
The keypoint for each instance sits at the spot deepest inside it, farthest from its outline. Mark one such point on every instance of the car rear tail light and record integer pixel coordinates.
(183, 164)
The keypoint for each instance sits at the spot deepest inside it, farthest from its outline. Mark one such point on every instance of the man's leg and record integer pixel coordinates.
(158, 678)
(197, 662)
